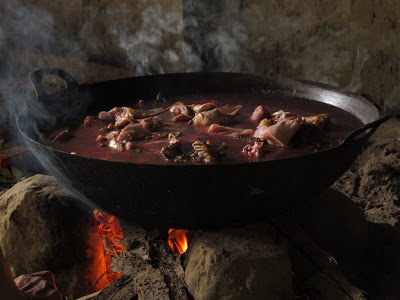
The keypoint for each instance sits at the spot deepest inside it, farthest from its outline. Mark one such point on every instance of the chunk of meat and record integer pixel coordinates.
(111, 114)
(152, 124)
(133, 132)
(236, 110)
(321, 120)
(216, 128)
(112, 134)
(215, 116)
(173, 150)
(107, 128)
(122, 116)
(255, 151)
(172, 136)
(130, 146)
(203, 107)
(179, 108)
(220, 129)
(127, 116)
(205, 153)
(101, 140)
(282, 115)
(63, 136)
(259, 113)
(266, 122)
(116, 145)
(89, 121)
(279, 133)
(182, 118)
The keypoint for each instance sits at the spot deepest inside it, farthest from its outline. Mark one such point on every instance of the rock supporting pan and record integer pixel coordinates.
(191, 196)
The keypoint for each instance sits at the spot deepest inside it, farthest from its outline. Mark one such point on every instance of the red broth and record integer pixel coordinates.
(83, 141)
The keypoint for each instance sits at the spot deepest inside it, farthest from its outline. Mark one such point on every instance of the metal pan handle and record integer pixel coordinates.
(373, 126)
(36, 79)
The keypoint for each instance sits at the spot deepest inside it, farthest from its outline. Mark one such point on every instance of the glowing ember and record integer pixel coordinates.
(178, 240)
(112, 235)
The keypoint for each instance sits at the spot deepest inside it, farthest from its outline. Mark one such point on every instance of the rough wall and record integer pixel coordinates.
(137, 36)
(352, 44)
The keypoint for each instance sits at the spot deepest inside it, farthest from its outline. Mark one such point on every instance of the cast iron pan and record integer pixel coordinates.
(191, 196)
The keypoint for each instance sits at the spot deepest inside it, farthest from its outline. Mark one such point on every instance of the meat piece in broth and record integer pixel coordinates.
(89, 121)
(180, 108)
(111, 114)
(282, 115)
(122, 116)
(118, 146)
(182, 118)
(215, 116)
(220, 129)
(321, 120)
(255, 151)
(173, 150)
(152, 124)
(62, 137)
(280, 133)
(205, 153)
(130, 146)
(259, 113)
(103, 140)
(133, 132)
(128, 116)
(265, 122)
(203, 107)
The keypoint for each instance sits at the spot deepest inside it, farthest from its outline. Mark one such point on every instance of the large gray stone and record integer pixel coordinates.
(41, 228)
(237, 264)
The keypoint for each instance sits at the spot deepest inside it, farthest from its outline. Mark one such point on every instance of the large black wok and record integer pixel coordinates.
(190, 196)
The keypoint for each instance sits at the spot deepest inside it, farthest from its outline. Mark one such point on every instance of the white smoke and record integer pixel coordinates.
(143, 46)
(356, 83)
(165, 40)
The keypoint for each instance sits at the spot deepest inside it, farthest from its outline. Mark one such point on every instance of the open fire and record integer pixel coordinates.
(112, 235)
(177, 240)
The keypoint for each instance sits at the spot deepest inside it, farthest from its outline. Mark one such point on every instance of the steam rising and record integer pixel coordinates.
(143, 46)
(187, 40)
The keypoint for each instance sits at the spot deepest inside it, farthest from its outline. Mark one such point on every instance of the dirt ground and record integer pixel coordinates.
(373, 184)
(374, 180)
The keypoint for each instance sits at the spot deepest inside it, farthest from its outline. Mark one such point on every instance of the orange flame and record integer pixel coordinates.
(178, 239)
(112, 235)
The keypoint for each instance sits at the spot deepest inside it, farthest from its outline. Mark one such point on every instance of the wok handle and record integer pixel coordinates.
(36, 79)
(373, 126)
